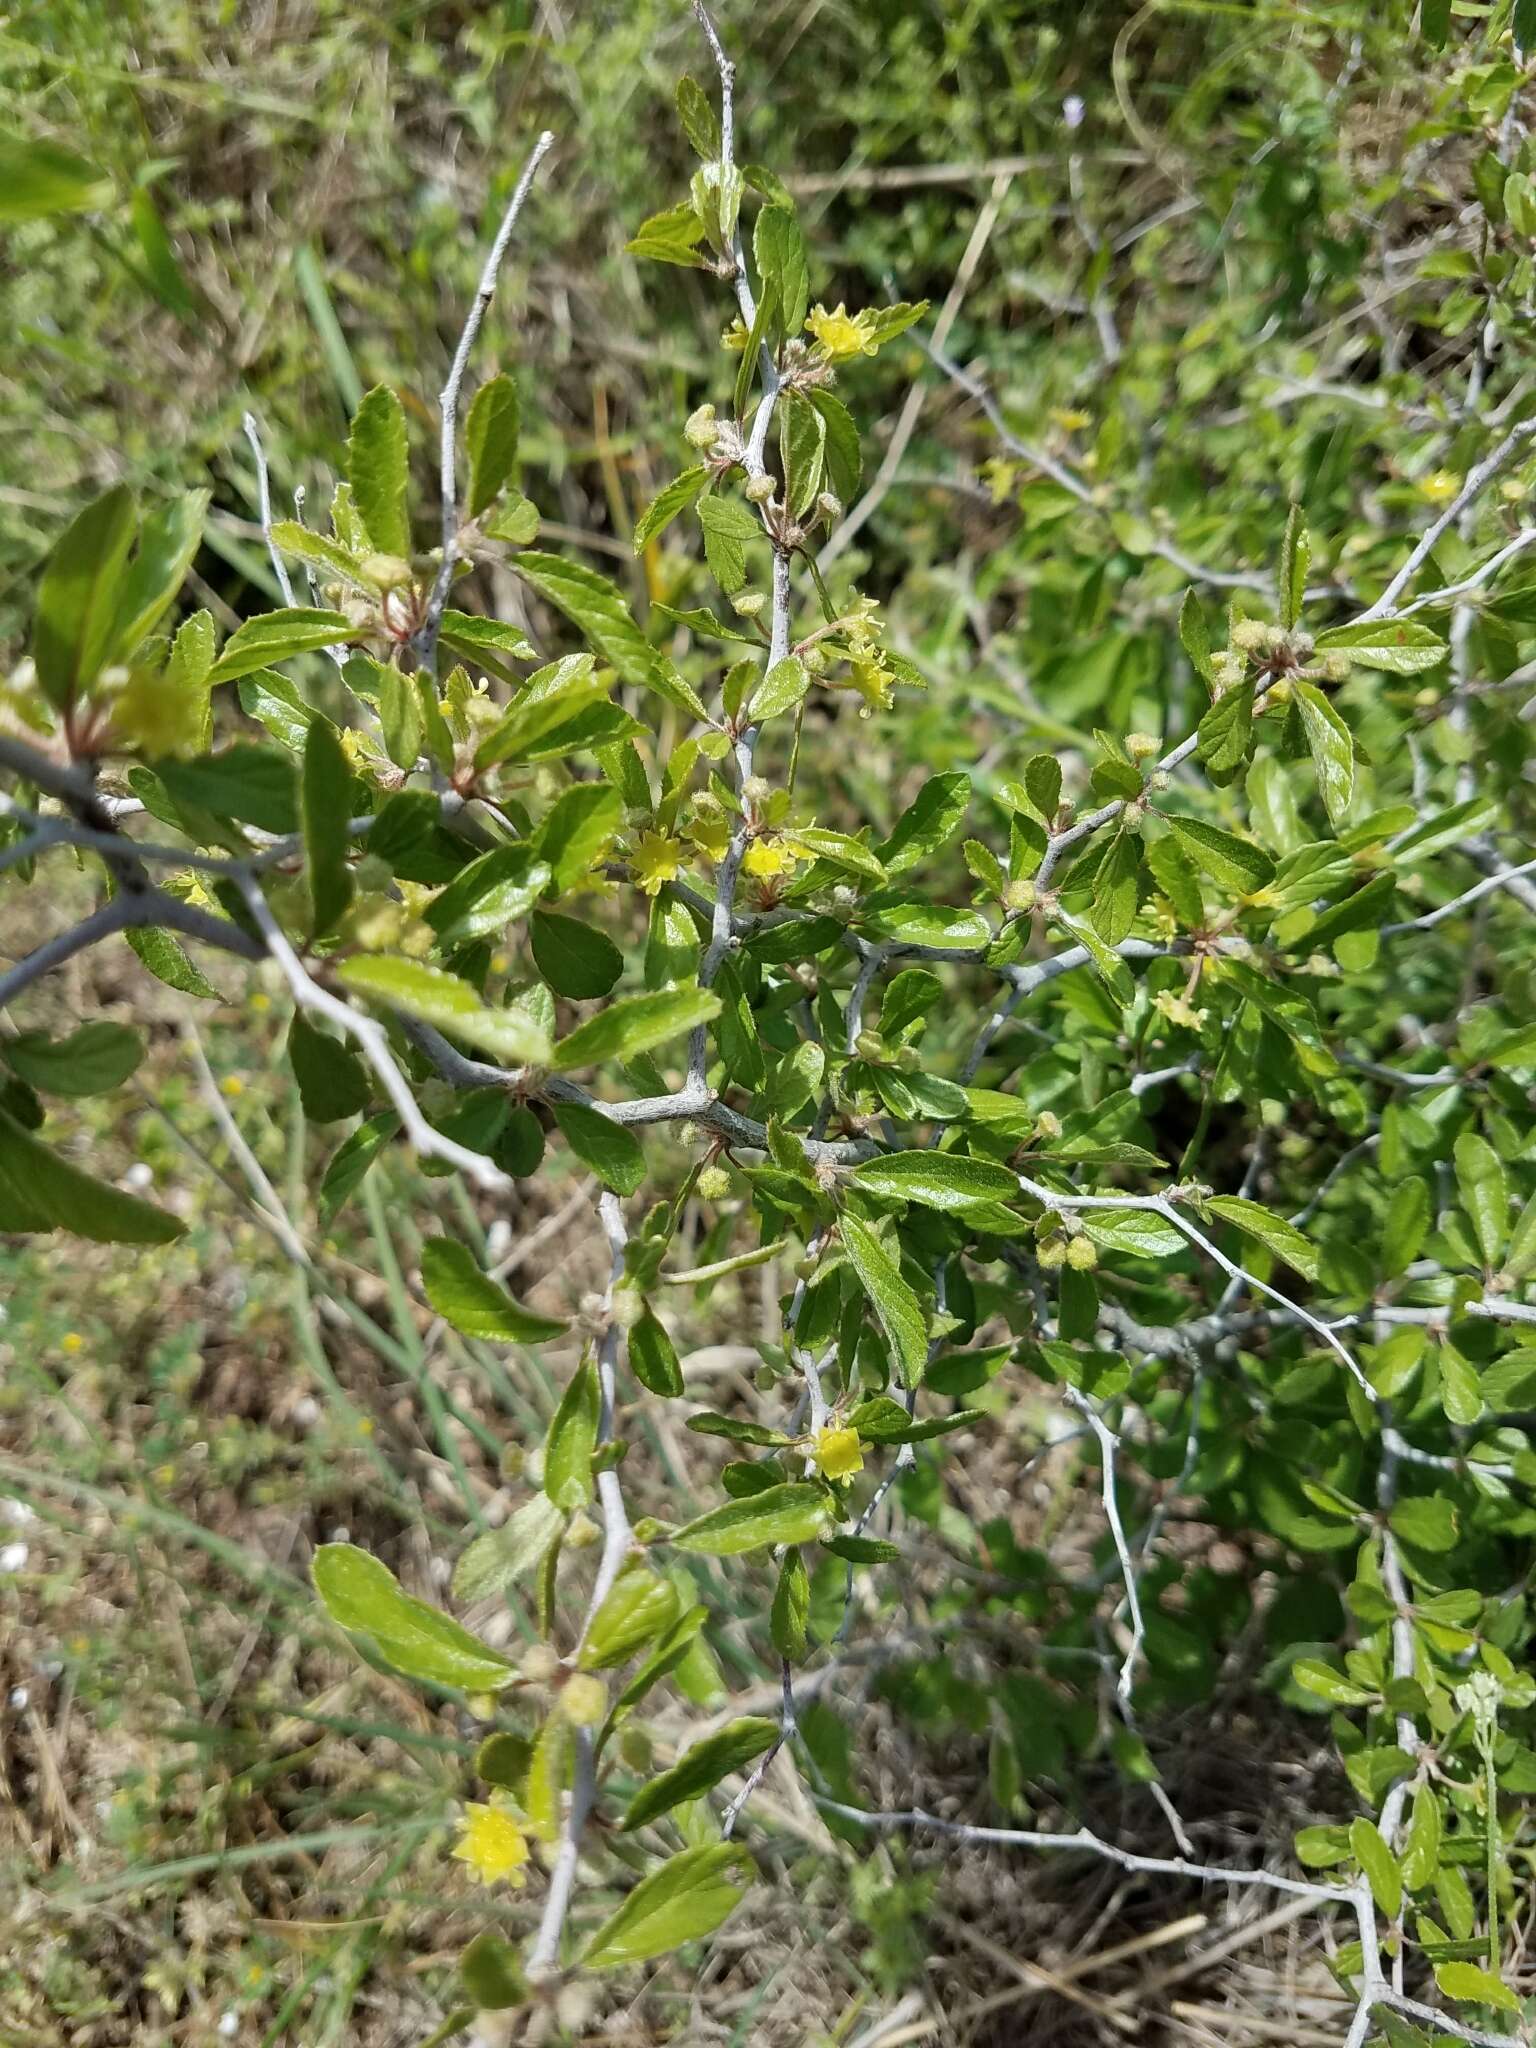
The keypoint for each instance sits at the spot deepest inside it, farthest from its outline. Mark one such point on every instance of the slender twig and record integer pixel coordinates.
(449, 402)
(264, 506)
(1478, 480)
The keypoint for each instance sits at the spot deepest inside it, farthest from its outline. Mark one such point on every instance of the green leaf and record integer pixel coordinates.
(688, 1896)
(1421, 1851)
(538, 720)
(1329, 1684)
(490, 440)
(41, 1191)
(605, 1148)
(698, 119)
(938, 1180)
(491, 1973)
(1282, 1238)
(670, 237)
(913, 922)
(498, 1558)
(1195, 635)
(1425, 1521)
(1524, 24)
(326, 793)
(1333, 750)
(633, 1026)
(845, 460)
(91, 1060)
(791, 1513)
(168, 961)
(40, 178)
(701, 1769)
(577, 831)
(168, 540)
(1465, 1981)
(1379, 1865)
(277, 636)
(475, 638)
(574, 959)
(653, 1357)
(781, 689)
(351, 1161)
(378, 469)
(640, 1606)
(451, 1005)
(246, 783)
(791, 1608)
(1295, 560)
(896, 1306)
(597, 607)
(333, 1082)
(1141, 1232)
(1435, 22)
(1484, 1194)
(778, 248)
(1234, 863)
(932, 819)
(474, 1304)
(1225, 733)
(1400, 646)
(671, 499)
(486, 897)
(571, 1440)
(80, 596)
(1115, 888)
(363, 1596)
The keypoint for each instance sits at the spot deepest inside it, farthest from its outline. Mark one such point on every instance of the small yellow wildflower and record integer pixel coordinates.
(767, 859)
(71, 1342)
(1178, 1009)
(1070, 420)
(231, 1085)
(492, 1844)
(711, 834)
(841, 334)
(657, 859)
(1440, 486)
(261, 1002)
(838, 1454)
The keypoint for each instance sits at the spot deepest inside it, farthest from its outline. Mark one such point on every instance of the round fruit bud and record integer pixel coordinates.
(701, 429)
(628, 1306)
(1019, 897)
(1336, 665)
(514, 1461)
(584, 1699)
(1141, 746)
(1250, 635)
(748, 604)
(869, 1045)
(713, 1184)
(1081, 1256)
(387, 571)
(908, 1059)
(539, 1664)
(829, 505)
(756, 789)
(765, 1379)
(815, 659)
(758, 490)
(1052, 1253)
(635, 1747)
(1047, 1124)
(582, 1533)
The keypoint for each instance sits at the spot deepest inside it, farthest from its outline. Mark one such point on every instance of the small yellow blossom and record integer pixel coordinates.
(1070, 420)
(711, 834)
(873, 681)
(492, 1844)
(767, 859)
(1440, 486)
(841, 334)
(838, 1454)
(231, 1085)
(261, 1002)
(1179, 1010)
(71, 1342)
(657, 859)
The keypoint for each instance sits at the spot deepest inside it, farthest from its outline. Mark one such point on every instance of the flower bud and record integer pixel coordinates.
(1081, 1255)
(701, 429)
(1020, 896)
(1047, 1124)
(758, 490)
(582, 1533)
(1052, 1253)
(829, 505)
(748, 604)
(584, 1699)
(539, 1664)
(635, 1747)
(713, 1184)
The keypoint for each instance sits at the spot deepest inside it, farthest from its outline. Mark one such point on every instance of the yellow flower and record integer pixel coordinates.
(766, 859)
(656, 859)
(71, 1342)
(838, 1454)
(492, 1844)
(1178, 1009)
(873, 681)
(1070, 420)
(841, 334)
(1440, 486)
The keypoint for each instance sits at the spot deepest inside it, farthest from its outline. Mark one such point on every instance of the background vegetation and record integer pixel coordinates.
(1214, 260)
